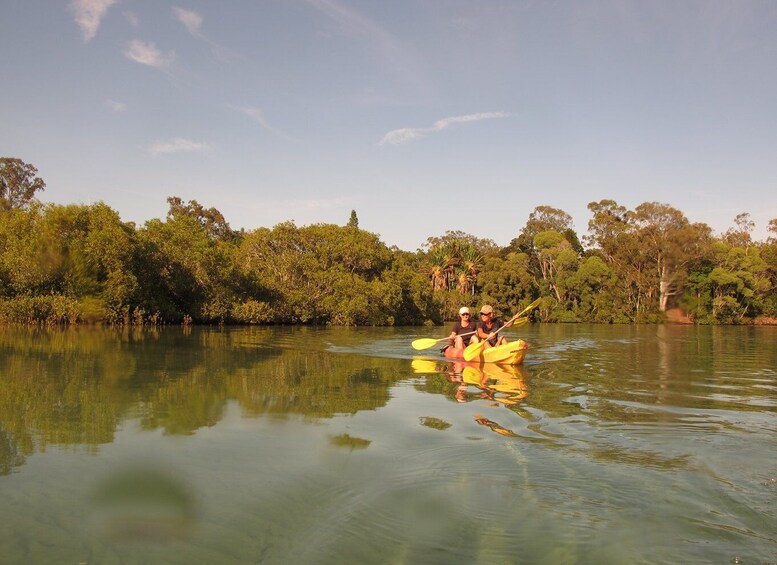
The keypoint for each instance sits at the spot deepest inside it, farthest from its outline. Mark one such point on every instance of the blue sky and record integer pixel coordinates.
(423, 116)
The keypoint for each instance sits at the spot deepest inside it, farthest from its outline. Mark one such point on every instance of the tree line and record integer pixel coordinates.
(77, 263)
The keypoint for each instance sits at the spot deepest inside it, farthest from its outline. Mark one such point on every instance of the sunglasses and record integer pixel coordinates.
(486, 313)
(464, 315)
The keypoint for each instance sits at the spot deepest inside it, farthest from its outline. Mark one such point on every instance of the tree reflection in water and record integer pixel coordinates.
(502, 384)
(77, 386)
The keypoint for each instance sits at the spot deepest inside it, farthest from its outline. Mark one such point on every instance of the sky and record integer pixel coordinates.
(422, 116)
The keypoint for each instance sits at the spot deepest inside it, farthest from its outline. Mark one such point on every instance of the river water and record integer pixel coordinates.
(611, 444)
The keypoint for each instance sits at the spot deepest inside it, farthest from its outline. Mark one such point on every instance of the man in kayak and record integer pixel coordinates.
(489, 325)
(463, 326)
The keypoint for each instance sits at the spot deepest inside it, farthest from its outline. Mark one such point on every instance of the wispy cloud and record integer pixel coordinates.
(257, 116)
(132, 18)
(192, 21)
(354, 23)
(89, 14)
(406, 135)
(116, 106)
(147, 54)
(177, 145)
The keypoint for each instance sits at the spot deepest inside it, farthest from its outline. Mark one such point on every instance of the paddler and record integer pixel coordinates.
(489, 325)
(464, 325)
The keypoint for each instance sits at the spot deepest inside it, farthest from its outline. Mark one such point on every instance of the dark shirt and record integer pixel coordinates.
(496, 323)
(458, 329)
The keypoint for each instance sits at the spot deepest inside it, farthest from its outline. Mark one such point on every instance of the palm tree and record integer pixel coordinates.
(471, 262)
(438, 269)
(462, 280)
(452, 254)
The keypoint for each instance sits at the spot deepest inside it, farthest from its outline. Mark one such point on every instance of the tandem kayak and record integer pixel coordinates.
(511, 353)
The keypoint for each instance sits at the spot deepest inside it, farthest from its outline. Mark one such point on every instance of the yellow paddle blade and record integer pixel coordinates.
(471, 375)
(473, 350)
(423, 366)
(530, 307)
(426, 342)
(520, 322)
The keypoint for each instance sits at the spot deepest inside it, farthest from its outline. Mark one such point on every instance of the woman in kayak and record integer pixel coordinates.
(489, 325)
(463, 326)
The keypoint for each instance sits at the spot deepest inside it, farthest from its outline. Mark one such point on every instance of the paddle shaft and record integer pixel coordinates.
(468, 333)
(426, 343)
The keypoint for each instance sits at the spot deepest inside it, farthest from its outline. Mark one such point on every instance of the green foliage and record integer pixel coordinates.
(190, 272)
(252, 312)
(416, 302)
(592, 288)
(454, 261)
(85, 382)
(322, 274)
(18, 183)
(62, 263)
(211, 220)
(84, 253)
(508, 283)
(52, 309)
(740, 284)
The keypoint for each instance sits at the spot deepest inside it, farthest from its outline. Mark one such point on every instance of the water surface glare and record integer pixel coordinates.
(611, 444)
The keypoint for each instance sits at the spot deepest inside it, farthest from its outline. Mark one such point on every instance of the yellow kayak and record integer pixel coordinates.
(511, 353)
(503, 383)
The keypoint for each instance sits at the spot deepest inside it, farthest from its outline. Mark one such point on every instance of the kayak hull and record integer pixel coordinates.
(511, 353)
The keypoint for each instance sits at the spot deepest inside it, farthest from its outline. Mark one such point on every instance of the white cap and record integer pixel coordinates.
(463, 310)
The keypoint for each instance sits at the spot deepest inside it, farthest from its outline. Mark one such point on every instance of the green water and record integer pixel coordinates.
(612, 444)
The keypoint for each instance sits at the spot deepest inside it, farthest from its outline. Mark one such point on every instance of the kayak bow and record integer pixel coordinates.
(511, 353)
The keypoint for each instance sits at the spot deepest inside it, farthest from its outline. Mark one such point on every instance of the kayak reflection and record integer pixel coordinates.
(505, 384)
(501, 383)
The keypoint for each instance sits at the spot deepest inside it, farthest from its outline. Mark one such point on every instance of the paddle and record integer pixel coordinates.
(473, 350)
(427, 342)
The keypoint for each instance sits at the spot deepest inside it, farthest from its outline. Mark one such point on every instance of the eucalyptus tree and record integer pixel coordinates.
(772, 230)
(671, 243)
(548, 231)
(543, 218)
(741, 235)
(608, 223)
(19, 181)
(552, 248)
(211, 220)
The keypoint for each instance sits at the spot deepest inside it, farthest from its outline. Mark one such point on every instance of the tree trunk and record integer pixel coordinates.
(663, 290)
